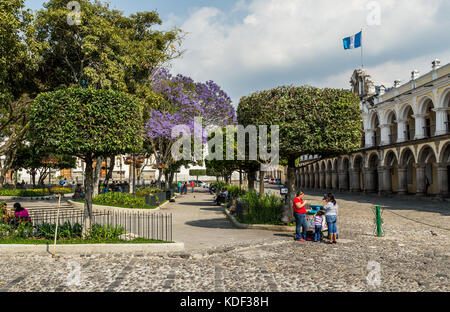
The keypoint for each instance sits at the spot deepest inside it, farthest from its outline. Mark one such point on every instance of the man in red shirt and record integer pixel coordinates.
(300, 217)
(192, 185)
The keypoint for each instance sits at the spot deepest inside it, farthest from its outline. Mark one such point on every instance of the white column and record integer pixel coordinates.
(401, 129)
(441, 119)
(370, 133)
(420, 124)
(385, 133)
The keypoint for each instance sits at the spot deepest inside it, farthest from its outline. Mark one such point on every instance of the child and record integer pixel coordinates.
(318, 221)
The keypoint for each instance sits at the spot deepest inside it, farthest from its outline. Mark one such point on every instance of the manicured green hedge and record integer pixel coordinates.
(34, 192)
(148, 191)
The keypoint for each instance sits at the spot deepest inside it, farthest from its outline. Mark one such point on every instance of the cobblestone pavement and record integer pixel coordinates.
(412, 257)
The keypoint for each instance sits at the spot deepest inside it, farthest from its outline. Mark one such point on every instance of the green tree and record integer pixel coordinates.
(19, 56)
(33, 159)
(312, 121)
(88, 124)
(107, 50)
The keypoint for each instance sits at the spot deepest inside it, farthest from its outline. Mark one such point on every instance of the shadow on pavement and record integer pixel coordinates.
(392, 202)
(211, 224)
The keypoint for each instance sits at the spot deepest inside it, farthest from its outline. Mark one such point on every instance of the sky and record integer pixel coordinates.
(251, 45)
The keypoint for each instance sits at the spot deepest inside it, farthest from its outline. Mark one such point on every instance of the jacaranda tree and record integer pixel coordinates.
(88, 124)
(312, 121)
(179, 101)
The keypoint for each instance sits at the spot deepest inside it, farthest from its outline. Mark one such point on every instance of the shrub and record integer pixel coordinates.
(105, 231)
(265, 210)
(66, 231)
(235, 191)
(148, 191)
(116, 198)
(219, 184)
(34, 192)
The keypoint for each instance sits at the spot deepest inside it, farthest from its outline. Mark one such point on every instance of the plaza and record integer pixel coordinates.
(413, 255)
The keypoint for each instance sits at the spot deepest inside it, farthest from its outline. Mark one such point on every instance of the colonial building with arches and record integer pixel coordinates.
(406, 143)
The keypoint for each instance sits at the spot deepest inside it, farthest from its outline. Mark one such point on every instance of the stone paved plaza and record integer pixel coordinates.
(412, 256)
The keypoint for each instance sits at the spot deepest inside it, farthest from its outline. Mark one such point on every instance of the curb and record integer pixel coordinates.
(91, 249)
(273, 228)
(115, 209)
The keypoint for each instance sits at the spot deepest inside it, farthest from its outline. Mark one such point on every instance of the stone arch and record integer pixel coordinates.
(323, 174)
(390, 172)
(374, 124)
(357, 177)
(344, 174)
(427, 108)
(444, 100)
(372, 177)
(407, 172)
(406, 155)
(316, 176)
(427, 176)
(403, 111)
(408, 129)
(335, 164)
(329, 175)
(389, 115)
(444, 106)
(444, 170)
(389, 157)
(425, 153)
(444, 156)
(423, 103)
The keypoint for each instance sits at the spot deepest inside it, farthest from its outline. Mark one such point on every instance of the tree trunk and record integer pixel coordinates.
(171, 177)
(159, 177)
(261, 184)
(43, 176)
(287, 212)
(33, 177)
(96, 176)
(251, 180)
(87, 216)
(166, 180)
(109, 173)
(240, 179)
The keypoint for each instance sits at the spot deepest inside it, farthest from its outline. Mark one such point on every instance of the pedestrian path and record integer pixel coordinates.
(200, 224)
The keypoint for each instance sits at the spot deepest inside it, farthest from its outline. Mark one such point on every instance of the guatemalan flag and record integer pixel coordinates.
(353, 42)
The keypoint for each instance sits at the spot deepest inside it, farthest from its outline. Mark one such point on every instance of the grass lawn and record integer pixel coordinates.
(124, 206)
(14, 241)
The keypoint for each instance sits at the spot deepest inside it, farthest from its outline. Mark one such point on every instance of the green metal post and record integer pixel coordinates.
(379, 221)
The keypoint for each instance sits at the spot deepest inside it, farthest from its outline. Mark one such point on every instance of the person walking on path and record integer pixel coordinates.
(300, 217)
(192, 186)
(186, 187)
(331, 212)
(179, 187)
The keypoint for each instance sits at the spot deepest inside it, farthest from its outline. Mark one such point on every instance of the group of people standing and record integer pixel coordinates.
(183, 187)
(330, 212)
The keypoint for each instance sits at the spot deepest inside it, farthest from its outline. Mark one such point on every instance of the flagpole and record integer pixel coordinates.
(362, 45)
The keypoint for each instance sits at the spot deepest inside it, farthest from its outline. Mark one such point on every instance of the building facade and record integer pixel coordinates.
(406, 144)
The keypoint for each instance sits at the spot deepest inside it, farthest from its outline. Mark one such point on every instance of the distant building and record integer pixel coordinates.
(406, 144)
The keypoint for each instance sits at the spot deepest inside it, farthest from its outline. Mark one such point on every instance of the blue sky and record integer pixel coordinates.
(250, 45)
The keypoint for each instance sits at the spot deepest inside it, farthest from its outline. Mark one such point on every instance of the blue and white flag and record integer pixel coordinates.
(353, 42)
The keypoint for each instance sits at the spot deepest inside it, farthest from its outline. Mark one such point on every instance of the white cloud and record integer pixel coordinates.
(300, 41)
